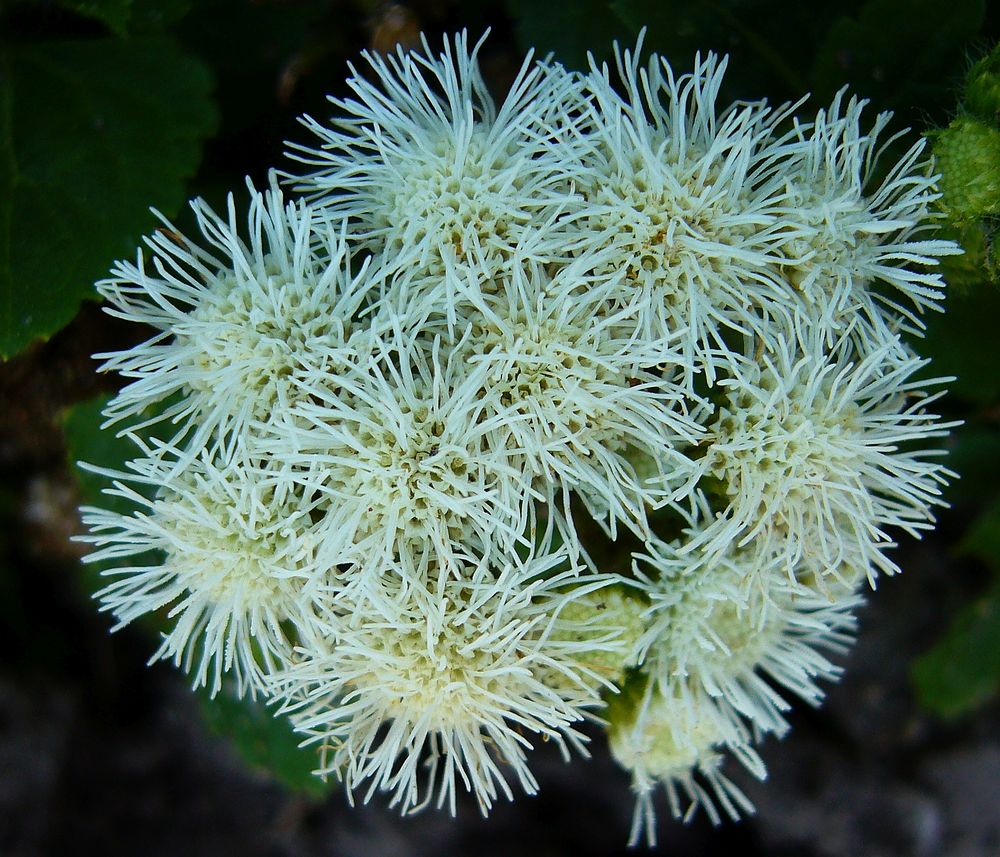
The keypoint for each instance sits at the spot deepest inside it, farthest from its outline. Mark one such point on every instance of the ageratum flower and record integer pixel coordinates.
(432, 173)
(228, 553)
(854, 225)
(736, 627)
(693, 199)
(679, 738)
(577, 392)
(429, 688)
(823, 454)
(592, 404)
(409, 450)
(240, 317)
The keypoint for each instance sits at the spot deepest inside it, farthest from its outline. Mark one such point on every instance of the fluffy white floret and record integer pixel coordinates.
(692, 198)
(432, 172)
(409, 451)
(227, 554)
(737, 627)
(240, 312)
(372, 427)
(419, 696)
(823, 454)
(677, 736)
(856, 229)
(576, 390)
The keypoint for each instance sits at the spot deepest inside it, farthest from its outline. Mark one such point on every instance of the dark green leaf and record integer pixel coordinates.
(983, 537)
(906, 55)
(265, 742)
(114, 14)
(93, 133)
(86, 441)
(974, 454)
(674, 29)
(962, 341)
(963, 669)
(569, 30)
(124, 17)
(271, 67)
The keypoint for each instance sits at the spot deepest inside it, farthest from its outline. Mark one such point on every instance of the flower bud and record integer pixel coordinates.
(982, 88)
(968, 156)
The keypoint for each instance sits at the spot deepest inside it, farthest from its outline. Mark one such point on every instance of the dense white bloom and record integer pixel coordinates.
(851, 233)
(409, 451)
(678, 737)
(735, 626)
(397, 443)
(694, 200)
(228, 554)
(420, 696)
(577, 388)
(432, 172)
(238, 319)
(824, 450)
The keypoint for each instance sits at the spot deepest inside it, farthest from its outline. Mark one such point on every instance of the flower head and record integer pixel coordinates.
(852, 232)
(576, 390)
(239, 319)
(229, 556)
(819, 454)
(418, 423)
(435, 174)
(425, 693)
(735, 627)
(408, 452)
(678, 738)
(692, 199)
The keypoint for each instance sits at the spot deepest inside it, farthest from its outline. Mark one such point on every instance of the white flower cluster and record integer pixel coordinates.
(387, 430)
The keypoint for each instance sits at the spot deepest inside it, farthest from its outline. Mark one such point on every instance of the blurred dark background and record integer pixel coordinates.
(109, 106)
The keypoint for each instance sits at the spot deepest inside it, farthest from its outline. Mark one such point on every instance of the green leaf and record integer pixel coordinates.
(265, 742)
(93, 133)
(983, 538)
(974, 454)
(962, 341)
(263, 84)
(114, 14)
(905, 55)
(569, 30)
(962, 671)
(87, 441)
(123, 17)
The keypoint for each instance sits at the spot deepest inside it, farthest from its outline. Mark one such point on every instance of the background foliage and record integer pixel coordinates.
(108, 107)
